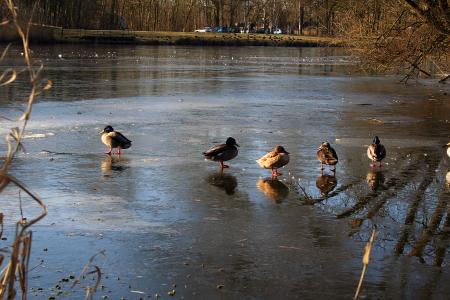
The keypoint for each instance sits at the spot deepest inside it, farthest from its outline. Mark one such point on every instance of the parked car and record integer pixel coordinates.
(234, 30)
(221, 29)
(204, 29)
(263, 30)
(277, 31)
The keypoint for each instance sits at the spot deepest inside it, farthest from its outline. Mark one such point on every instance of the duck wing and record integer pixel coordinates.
(376, 152)
(371, 152)
(119, 138)
(269, 160)
(215, 150)
(330, 156)
(323, 155)
(380, 151)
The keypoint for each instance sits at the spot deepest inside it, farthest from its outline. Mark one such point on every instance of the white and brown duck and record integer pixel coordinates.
(274, 160)
(114, 140)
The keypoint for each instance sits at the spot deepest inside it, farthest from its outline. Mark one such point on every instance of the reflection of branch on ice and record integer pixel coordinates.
(416, 193)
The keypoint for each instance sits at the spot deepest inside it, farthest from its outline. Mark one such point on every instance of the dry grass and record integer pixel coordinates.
(14, 260)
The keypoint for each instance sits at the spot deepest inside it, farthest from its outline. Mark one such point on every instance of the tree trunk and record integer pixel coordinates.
(112, 23)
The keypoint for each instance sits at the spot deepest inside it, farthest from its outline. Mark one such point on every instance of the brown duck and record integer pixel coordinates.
(327, 156)
(223, 152)
(275, 159)
(376, 152)
(114, 139)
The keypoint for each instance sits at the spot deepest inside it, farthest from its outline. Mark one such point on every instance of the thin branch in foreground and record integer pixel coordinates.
(90, 291)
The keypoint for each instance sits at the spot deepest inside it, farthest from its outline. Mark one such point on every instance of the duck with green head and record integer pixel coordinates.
(222, 152)
(376, 151)
(114, 139)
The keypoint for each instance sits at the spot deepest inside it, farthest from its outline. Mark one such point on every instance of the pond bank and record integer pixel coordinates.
(42, 33)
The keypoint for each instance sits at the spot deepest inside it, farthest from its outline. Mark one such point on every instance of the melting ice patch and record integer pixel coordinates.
(38, 135)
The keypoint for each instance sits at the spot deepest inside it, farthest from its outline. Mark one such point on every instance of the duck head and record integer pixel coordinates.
(325, 144)
(280, 149)
(107, 129)
(376, 140)
(231, 142)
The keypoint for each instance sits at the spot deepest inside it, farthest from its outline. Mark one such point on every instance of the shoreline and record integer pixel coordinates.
(52, 34)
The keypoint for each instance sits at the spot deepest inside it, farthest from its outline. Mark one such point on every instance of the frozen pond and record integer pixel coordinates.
(166, 217)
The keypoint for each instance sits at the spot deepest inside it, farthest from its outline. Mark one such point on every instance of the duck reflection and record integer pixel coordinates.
(273, 189)
(110, 164)
(375, 179)
(326, 184)
(225, 181)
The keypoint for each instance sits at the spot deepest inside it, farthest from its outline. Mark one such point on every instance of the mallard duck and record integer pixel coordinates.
(326, 155)
(114, 139)
(275, 159)
(376, 151)
(223, 152)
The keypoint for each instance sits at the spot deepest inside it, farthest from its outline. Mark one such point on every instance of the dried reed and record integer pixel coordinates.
(90, 291)
(365, 261)
(17, 263)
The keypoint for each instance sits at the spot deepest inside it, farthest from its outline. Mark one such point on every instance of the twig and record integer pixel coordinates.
(20, 206)
(444, 79)
(90, 290)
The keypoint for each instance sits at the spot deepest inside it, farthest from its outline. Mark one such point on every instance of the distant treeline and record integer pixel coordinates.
(317, 17)
(389, 34)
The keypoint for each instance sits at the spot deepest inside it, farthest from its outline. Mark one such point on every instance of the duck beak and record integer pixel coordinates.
(239, 146)
(102, 131)
(286, 152)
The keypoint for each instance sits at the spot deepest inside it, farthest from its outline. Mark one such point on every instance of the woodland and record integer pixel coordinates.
(386, 35)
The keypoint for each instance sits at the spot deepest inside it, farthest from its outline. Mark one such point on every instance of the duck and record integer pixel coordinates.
(222, 152)
(275, 159)
(326, 155)
(114, 139)
(376, 151)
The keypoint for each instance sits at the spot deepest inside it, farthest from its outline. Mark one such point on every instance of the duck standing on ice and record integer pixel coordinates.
(114, 139)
